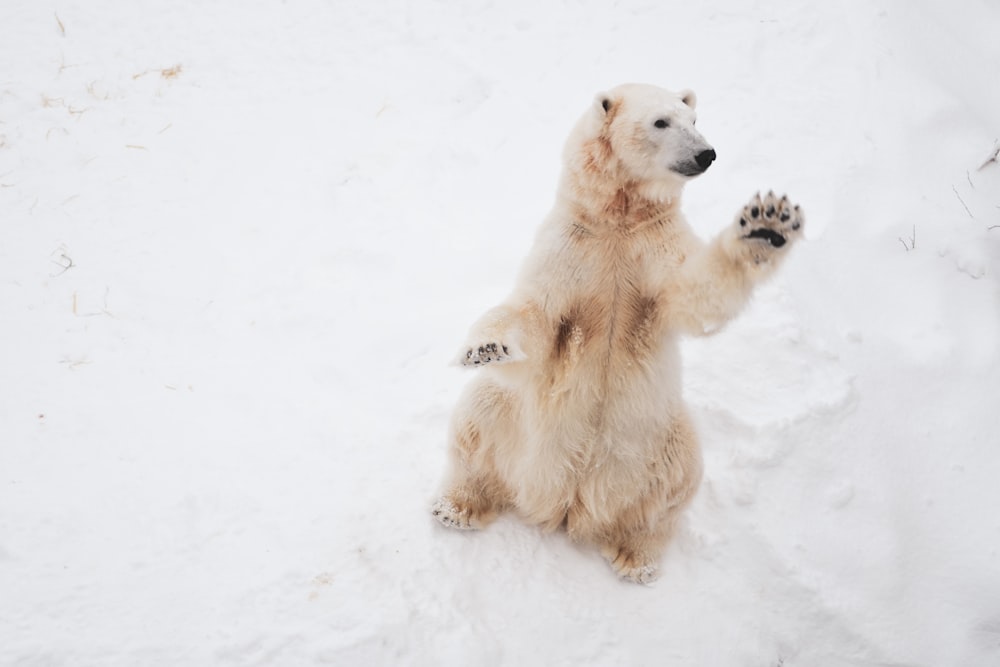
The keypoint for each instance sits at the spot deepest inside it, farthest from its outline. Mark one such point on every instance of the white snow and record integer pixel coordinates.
(240, 243)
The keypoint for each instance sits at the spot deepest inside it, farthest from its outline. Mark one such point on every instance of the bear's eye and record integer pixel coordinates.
(662, 123)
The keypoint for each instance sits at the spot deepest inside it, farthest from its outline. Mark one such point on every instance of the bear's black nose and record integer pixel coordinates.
(705, 158)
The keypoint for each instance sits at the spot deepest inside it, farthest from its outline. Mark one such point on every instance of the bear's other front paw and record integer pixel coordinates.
(488, 353)
(769, 223)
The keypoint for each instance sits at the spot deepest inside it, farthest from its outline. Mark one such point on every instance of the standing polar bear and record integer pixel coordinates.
(576, 417)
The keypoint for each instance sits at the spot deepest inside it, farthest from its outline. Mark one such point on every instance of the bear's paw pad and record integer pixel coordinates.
(487, 353)
(771, 220)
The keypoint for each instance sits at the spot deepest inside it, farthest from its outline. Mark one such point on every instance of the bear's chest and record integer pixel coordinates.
(611, 308)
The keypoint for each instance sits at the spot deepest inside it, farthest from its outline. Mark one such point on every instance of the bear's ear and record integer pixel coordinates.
(603, 104)
(689, 98)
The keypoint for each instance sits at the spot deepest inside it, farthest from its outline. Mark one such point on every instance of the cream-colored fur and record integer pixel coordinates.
(576, 417)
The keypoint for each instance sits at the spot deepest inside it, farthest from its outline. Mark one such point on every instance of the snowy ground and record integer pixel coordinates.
(239, 243)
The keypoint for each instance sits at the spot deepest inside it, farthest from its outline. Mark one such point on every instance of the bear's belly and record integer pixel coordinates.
(595, 430)
(580, 473)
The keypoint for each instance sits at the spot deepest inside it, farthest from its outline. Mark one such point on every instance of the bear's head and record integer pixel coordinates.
(643, 135)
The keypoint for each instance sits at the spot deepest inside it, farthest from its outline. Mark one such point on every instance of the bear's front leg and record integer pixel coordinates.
(500, 336)
(765, 228)
(714, 284)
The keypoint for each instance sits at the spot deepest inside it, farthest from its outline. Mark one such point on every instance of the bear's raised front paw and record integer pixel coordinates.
(488, 353)
(769, 223)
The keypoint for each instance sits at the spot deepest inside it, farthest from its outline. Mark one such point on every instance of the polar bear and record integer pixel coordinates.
(576, 418)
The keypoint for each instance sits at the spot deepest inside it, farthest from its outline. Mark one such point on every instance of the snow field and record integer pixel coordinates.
(241, 241)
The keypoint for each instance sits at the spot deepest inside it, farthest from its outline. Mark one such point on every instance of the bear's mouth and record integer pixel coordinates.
(689, 169)
(771, 236)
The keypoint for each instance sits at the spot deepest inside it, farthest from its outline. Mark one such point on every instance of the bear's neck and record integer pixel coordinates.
(604, 198)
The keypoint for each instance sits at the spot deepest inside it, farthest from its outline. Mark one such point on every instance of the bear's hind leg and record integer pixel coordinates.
(476, 493)
(636, 556)
(472, 504)
(637, 538)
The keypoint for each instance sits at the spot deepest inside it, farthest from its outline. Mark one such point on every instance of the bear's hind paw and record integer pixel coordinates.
(448, 515)
(631, 566)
